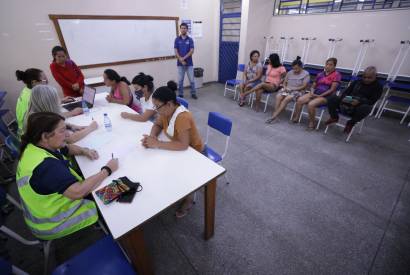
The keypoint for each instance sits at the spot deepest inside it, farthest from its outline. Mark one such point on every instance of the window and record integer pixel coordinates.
(287, 7)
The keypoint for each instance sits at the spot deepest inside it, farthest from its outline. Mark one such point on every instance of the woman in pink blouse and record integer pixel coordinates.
(275, 74)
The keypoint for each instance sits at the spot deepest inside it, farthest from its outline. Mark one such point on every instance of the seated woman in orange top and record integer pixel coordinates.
(179, 126)
(66, 73)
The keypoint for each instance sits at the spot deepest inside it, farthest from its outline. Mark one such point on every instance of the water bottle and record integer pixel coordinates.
(107, 123)
(86, 111)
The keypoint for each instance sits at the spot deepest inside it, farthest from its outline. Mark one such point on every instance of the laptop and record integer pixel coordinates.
(88, 97)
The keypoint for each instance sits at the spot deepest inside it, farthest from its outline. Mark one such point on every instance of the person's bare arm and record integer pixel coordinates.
(79, 190)
(139, 117)
(80, 134)
(175, 145)
(156, 128)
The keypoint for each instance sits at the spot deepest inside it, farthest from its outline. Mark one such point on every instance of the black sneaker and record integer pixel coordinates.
(194, 96)
(181, 96)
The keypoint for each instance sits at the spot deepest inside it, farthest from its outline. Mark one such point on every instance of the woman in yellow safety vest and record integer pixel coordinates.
(52, 192)
(31, 77)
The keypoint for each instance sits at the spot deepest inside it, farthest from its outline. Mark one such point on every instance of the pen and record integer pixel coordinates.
(112, 155)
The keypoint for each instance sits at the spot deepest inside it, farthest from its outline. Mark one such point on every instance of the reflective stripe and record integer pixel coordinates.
(23, 181)
(83, 216)
(58, 218)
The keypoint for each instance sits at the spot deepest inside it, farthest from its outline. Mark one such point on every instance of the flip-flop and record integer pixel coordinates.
(271, 120)
(182, 212)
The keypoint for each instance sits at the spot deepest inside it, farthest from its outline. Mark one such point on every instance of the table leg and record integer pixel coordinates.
(134, 245)
(210, 192)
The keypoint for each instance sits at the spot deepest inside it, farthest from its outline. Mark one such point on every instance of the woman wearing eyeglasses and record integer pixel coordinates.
(179, 126)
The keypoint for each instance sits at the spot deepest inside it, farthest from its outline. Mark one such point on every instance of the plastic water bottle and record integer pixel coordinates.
(107, 123)
(86, 111)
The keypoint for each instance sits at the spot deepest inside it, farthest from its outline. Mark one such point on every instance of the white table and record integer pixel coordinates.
(166, 177)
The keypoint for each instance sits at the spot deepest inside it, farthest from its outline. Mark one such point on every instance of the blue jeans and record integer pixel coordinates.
(189, 70)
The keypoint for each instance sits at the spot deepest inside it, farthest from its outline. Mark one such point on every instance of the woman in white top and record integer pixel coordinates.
(144, 83)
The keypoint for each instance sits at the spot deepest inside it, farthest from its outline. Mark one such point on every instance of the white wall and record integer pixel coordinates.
(386, 27)
(255, 24)
(27, 36)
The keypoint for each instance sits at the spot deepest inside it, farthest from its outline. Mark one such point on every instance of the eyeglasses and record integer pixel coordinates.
(159, 107)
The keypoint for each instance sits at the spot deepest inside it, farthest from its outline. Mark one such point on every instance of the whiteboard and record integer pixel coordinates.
(100, 42)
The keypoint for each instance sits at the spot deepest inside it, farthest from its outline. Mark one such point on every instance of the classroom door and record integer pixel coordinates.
(230, 27)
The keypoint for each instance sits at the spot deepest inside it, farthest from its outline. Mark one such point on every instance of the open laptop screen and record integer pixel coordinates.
(89, 95)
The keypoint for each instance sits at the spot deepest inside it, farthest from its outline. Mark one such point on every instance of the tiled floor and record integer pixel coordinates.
(299, 202)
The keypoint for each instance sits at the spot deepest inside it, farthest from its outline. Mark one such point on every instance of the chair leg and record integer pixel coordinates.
(14, 202)
(293, 111)
(194, 200)
(17, 237)
(350, 134)
(327, 128)
(361, 126)
(266, 102)
(405, 115)
(46, 247)
(301, 113)
(374, 109)
(382, 109)
(103, 227)
(225, 89)
(320, 119)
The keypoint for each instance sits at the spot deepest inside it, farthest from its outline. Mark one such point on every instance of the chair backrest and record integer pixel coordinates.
(240, 71)
(4, 130)
(13, 144)
(2, 94)
(220, 123)
(223, 125)
(182, 101)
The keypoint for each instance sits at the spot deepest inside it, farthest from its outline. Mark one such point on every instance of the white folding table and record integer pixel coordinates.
(166, 177)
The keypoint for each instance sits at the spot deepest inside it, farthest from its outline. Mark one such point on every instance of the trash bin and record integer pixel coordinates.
(199, 77)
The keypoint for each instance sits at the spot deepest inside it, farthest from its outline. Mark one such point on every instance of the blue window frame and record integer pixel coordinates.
(288, 7)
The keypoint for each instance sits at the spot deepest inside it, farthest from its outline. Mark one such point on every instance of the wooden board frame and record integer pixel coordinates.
(56, 17)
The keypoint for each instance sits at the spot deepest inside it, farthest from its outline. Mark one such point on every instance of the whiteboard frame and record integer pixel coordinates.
(56, 17)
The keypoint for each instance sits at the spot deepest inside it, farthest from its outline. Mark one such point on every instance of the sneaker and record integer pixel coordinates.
(331, 121)
(194, 96)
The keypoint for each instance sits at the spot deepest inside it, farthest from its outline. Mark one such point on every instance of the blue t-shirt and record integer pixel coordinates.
(183, 46)
(53, 174)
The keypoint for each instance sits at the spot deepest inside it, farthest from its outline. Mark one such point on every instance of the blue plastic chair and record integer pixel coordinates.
(4, 130)
(13, 144)
(223, 125)
(235, 82)
(182, 101)
(2, 95)
(103, 257)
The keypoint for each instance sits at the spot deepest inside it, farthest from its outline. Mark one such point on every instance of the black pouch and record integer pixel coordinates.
(128, 196)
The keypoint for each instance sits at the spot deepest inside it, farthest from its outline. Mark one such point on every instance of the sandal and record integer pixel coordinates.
(271, 120)
(310, 128)
(183, 210)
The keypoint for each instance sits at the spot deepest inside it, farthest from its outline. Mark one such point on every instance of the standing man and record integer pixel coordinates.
(184, 48)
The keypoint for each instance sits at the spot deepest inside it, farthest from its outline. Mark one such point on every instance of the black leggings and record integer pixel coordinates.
(361, 111)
